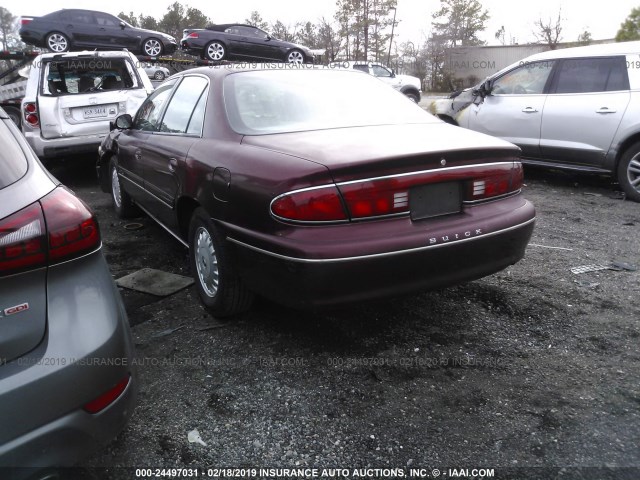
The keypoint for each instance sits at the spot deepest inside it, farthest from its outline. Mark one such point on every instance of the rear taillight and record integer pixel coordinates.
(25, 21)
(31, 114)
(386, 196)
(23, 241)
(313, 205)
(193, 35)
(58, 228)
(495, 184)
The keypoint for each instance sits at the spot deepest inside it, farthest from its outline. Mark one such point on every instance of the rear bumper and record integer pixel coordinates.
(86, 351)
(59, 147)
(442, 259)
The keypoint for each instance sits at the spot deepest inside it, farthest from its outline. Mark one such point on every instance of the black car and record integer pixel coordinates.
(66, 30)
(241, 42)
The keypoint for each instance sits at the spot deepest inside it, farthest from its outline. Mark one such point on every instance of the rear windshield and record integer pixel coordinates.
(13, 164)
(278, 101)
(83, 75)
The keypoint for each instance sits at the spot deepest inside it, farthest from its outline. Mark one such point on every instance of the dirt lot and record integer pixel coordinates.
(532, 367)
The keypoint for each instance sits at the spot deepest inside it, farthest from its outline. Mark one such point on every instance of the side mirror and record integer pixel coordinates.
(393, 73)
(122, 25)
(123, 122)
(268, 37)
(484, 89)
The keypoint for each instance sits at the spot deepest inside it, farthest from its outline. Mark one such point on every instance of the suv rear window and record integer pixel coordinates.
(83, 75)
(13, 164)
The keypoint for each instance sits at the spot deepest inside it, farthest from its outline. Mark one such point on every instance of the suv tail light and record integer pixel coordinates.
(31, 114)
(385, 196)
(59, 227)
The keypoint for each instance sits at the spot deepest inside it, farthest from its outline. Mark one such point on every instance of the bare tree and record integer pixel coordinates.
(256, 20)
(549, 32)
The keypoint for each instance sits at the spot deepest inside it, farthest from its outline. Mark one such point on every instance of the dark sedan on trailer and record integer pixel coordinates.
(241, 42)
(315, 199)
(75, 29)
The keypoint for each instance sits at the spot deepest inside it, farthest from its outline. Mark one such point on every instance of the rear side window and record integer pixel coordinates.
(84, 75)
(584, 75)
(13, 164)
(76, 16)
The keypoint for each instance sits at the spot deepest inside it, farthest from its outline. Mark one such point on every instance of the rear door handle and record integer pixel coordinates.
(173, 164)
(605, 110)
(529, 110)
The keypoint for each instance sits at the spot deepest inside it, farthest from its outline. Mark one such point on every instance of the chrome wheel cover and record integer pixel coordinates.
(116, 193)
(633, 172)
(215, 51)
(295, 57)
(57, 43)
(206, 262)
(152, 47)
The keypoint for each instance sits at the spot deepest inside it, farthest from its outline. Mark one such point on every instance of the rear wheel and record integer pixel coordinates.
(629, 172)
(159, 75)
(217, 282)
(122, 203)
(215, 51)
(57, 42)
(413, 97)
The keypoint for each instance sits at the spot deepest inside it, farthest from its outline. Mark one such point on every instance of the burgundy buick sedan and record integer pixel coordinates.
(314, 187)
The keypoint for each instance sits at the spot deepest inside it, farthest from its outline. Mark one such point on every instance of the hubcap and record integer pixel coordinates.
(115, 188)
(57, 43)
(215, 51)
(633, 172)
(295, 57)
(206, 262)
(152, 48)
(159, 75)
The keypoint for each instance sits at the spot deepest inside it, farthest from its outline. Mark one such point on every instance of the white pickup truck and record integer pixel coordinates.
(406, 84)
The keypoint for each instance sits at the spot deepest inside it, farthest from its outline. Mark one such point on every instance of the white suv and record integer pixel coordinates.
(406, 84)
(574, 108)
(71, 98)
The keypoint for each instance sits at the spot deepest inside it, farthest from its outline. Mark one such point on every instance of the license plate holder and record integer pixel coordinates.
(435, 200)
(95, 112)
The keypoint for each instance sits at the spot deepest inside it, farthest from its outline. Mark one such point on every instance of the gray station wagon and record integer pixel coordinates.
(574, 108)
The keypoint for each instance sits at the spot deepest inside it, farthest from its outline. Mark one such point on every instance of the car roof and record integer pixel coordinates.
(589, 51)
(86, 54)
(223, 26)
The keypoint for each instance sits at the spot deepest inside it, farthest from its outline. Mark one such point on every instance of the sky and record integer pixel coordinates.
(414, 16)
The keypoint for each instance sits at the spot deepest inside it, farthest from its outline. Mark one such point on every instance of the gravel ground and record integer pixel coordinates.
(532, 372)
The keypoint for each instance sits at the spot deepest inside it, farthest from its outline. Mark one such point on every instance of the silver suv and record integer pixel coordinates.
(71, 97)
(575, 108)
(406, 84)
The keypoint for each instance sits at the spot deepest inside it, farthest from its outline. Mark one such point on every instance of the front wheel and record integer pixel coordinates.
(215, 52)
(159, 75)
(217, 282)
(122, 203)
(57, 42)
(152, 47)
(629, 172)
(295, 56)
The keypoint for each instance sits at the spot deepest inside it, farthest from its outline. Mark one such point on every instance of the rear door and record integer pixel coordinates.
(80, 26)
(513, 110)
(584, 108)
(163, 156)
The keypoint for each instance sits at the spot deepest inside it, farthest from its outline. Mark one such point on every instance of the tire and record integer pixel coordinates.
(159, 75)
(217, 282)
(413, 97)
(122, 203)
(629, 172)
(152, 47)
(215, 51)
(295, 56)
(57, 42)
(14, 114)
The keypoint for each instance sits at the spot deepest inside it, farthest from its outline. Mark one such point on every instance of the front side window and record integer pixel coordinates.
(180, 111)
(584, 75)
(150, 111)
(107, 20)
(528, 79)
(379, 71)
